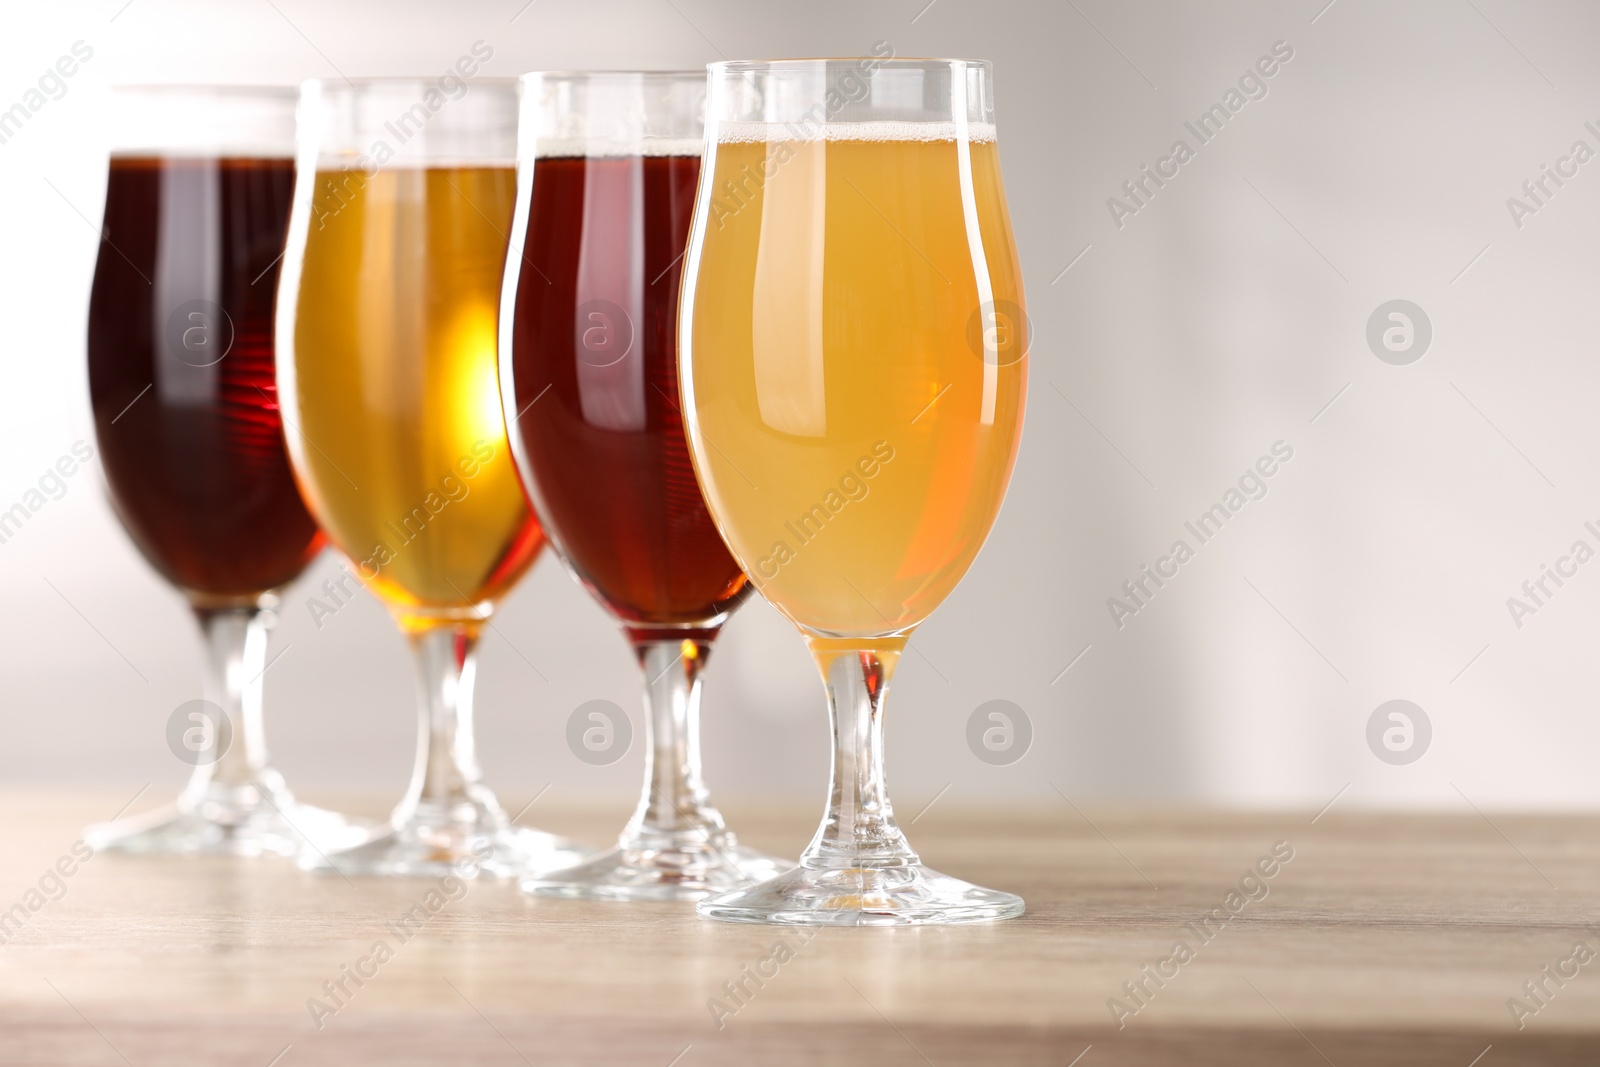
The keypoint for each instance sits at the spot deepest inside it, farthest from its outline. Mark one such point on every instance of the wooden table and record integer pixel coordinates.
(1386, 939)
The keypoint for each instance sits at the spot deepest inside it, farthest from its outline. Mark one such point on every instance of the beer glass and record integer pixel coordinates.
(853, 361)
(386, 322)
(607, 168)
(186, 417)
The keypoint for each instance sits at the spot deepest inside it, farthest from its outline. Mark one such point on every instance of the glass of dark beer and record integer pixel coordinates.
(186, 414)
(606, 175)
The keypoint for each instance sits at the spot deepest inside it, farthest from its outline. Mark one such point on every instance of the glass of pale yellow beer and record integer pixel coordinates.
(387, 374)
(853, 364)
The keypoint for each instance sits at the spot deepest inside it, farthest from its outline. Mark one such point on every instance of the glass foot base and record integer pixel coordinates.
(678, 867)
(430, 850)
(227, 822)
(858, 896)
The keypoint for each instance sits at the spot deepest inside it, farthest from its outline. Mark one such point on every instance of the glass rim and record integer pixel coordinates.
(282, 89)
(400, 81)
(755, 66)
(649, 75)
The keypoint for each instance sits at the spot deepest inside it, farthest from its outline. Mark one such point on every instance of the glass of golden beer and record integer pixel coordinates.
(387, 371)
(853, 365)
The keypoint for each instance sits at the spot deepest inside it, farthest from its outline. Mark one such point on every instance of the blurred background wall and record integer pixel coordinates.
(1177, 339)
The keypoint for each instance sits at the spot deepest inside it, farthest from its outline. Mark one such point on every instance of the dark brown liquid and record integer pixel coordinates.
(181, 371)
(604, 452)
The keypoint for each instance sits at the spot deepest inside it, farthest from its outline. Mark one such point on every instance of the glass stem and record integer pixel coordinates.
(235, 655)
(675, 801)
(858, 829)
(446, 785)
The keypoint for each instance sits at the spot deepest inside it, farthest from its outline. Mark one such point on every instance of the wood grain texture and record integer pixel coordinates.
(1387, 939)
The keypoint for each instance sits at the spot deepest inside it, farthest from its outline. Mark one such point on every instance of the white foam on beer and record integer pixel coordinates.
(880, 132)
(616, 148)
(346, 160)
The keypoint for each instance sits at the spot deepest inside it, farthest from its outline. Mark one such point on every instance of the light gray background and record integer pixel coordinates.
(1225, 316)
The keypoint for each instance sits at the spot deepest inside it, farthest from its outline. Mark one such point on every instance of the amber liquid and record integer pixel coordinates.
(192, 448)
(595, 377)
(395, 422)
(854, 406)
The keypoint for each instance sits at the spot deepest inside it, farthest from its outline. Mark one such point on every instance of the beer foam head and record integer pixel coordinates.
(614, 148)
(882, 132)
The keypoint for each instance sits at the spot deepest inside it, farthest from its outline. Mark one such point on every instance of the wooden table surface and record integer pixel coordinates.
(1385, 939)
